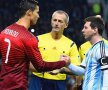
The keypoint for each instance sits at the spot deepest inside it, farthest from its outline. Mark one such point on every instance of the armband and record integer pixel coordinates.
(104, 63)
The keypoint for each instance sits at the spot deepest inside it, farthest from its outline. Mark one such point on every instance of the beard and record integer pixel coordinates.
(89, 37)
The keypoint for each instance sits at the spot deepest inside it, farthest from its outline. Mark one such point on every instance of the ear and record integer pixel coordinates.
(29, 12)
(66, 25)
(96, 29)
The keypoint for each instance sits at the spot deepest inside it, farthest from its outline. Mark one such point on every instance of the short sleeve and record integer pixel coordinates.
(74, 54)
(102, 56)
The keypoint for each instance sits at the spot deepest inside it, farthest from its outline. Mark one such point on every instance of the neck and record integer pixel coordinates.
(95, 39)
(56, 35)
(24, 22)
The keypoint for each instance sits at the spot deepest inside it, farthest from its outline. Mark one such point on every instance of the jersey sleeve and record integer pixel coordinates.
(34, 56)
(102, 57)
(74, 54)
(0, 46)
(104, 61)
(0, 53)
(83, 64)
(77, 70)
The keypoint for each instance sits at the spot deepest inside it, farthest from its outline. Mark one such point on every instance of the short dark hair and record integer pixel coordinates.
(27, 5)
(96, 22)
(62, 12)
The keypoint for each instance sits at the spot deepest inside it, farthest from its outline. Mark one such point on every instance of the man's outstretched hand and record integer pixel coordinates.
(66, 59)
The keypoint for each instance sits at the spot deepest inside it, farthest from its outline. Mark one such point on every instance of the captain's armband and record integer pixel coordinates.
(104, 63)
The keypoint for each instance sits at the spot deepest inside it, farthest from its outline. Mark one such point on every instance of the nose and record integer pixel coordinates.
(56, 22)
(38, 16)
(82, 30)
(56, 25)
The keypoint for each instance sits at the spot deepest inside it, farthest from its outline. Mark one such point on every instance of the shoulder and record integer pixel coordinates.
(84, 48)
(88, 44)
(67, 39)
(43, 35)
(106, 41)
(99, 48)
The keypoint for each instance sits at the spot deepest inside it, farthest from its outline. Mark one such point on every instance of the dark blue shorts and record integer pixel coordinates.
(37, 83)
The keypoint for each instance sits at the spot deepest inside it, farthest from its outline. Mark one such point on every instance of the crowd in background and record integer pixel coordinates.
(77, 10)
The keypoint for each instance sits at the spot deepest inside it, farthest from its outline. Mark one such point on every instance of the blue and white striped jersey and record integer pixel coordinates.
(96, 66)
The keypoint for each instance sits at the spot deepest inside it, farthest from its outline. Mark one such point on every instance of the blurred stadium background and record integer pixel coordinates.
(77, 10)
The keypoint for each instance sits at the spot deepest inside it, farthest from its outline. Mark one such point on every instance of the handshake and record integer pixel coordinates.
(62, 70)
(65, 58)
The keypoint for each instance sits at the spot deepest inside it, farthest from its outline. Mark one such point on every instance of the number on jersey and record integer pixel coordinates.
(8, 49)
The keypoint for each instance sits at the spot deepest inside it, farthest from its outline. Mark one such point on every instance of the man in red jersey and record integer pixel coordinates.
(18, 47)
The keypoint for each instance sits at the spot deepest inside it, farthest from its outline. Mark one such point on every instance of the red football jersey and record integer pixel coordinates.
(17, 47)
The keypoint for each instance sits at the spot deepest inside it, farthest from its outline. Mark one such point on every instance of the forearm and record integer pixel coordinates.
(40, 64)
(48, 66)
(77, 70)
(65, 70)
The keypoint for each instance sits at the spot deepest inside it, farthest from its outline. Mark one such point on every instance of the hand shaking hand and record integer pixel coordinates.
(66, 59)
(62, 58)
(54, 72)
